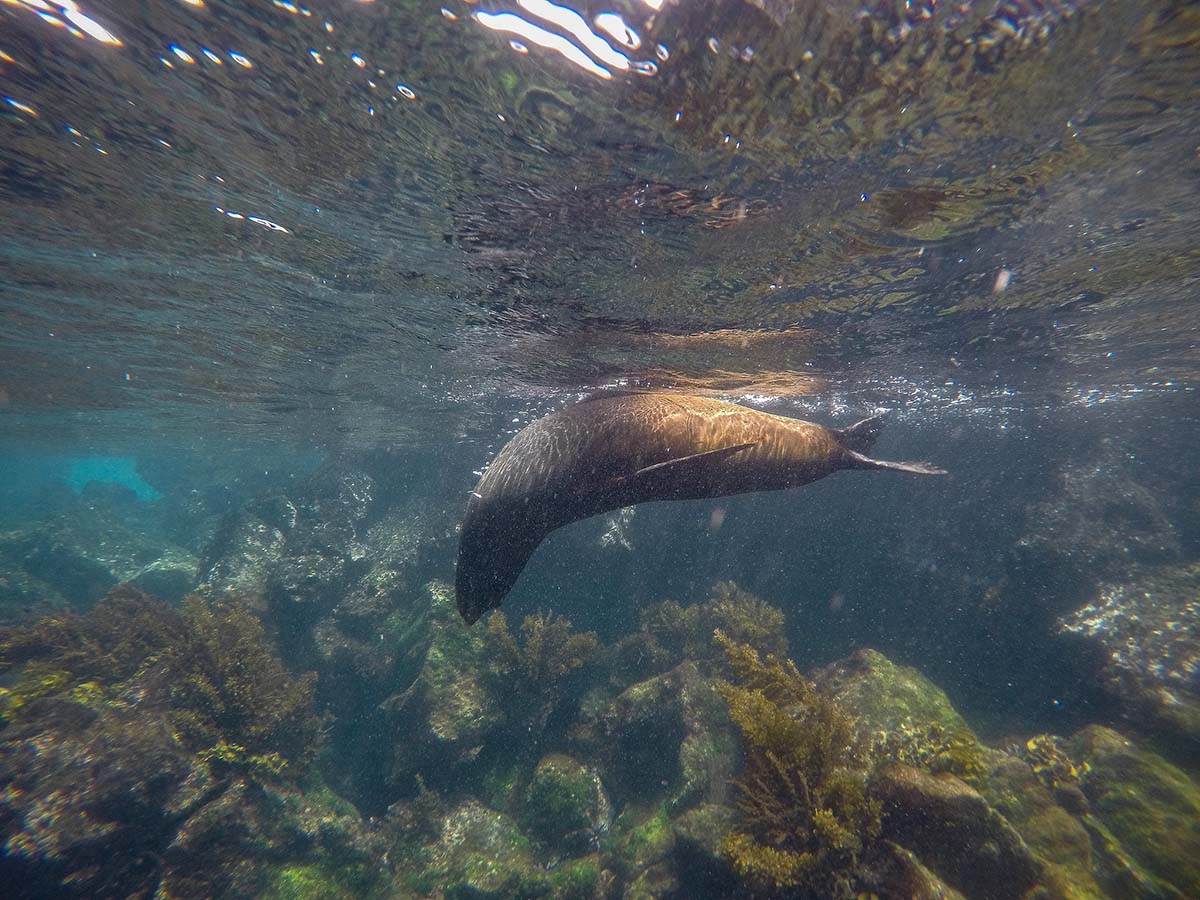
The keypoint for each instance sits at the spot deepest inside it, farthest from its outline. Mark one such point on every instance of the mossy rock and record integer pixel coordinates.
(575, 880)
(1149, 806)
(565, 805)
(448, 710)
(306, 882)
(881, 693)
(1057, 838)
(640, 839)
(667, 737)
(481, 853)
(955, 832)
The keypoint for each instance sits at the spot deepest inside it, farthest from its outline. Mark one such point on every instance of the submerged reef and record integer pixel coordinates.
(170, 751)
(148, 750)
(1146, 631)
(337, 563)
(226, 694)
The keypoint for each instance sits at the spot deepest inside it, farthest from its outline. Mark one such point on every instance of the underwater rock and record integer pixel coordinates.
(565, 805)
(668, 737)
(80, 554)
(698, 842)
(270, 838)
(307, 580)
(1146, 631)
(641, 840)
(296, 545)
(246, 547)
(952, 828)
(89, 799)
(909, 720)
(337, 564)
(891, 871)
(447, 711)
(481, 853)
(1148, 805)
(1047, 821)
(883, 694)
(145, 747)
(24, 597)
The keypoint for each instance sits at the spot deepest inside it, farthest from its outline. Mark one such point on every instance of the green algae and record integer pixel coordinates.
(637, 846)
(575, 880)
(1149, 805)
(934, 747)
(883, 693)
(564, 802)
(306, 882)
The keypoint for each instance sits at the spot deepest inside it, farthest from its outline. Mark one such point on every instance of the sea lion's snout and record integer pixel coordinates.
(490, 559)
(473, 593)
(470, 609)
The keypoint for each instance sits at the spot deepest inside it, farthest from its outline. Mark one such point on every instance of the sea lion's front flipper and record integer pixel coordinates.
(685, 463)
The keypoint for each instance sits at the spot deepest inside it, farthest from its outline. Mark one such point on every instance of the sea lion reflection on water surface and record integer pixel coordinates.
(619, 450)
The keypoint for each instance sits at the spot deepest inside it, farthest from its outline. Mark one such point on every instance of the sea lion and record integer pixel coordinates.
(617, 450)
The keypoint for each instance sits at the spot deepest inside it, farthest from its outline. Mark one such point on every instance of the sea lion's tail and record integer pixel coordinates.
(861, 436)
(917, 468)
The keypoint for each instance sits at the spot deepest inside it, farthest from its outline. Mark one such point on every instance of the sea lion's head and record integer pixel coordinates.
(491, 555)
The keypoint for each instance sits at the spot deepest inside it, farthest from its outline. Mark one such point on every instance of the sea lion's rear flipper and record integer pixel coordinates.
(858, 461)
(860, 437)
(687, 463)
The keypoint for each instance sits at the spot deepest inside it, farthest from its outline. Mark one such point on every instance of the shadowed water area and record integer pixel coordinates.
(278, 281)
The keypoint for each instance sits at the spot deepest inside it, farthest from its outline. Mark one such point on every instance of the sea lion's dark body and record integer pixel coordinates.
(624, 449)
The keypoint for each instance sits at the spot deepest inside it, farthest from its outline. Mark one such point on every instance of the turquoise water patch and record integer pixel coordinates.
(82, 470)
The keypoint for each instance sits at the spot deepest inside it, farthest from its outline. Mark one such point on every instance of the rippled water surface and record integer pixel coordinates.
(278, 281)
(343, 220)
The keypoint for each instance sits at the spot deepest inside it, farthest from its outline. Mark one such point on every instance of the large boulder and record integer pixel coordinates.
(951, 827)
(448, 710)
(480, 853)
(666, 738)
(565, 805)
(909, 719)
(882, 694)
(1145, 630)
(74, 557)
(1145, 804)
